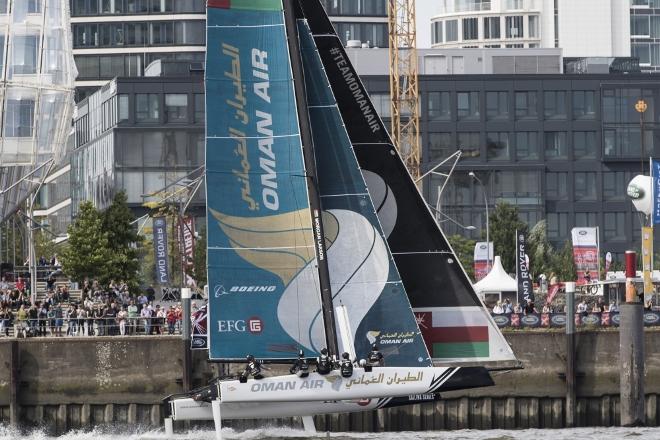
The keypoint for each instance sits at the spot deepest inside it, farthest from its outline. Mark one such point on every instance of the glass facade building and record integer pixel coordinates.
(37, 77)
(560, 147)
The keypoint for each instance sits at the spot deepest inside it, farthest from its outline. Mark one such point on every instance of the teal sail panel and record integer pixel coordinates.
(261, 256)
(363, 275)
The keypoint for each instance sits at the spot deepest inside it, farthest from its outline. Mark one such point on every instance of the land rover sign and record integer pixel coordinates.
(640, 192)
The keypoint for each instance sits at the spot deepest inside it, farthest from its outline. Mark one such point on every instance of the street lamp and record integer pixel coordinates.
(641, 106)
(483, 188)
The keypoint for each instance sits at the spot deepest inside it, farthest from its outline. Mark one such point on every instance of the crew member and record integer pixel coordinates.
(346, 366)
(253, 368)
(300, 367)
(375, 358)
(323, 362)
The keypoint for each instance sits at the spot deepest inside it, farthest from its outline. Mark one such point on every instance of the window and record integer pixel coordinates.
(526, 107)
(554, 105)
(469, 145)
(440, 146)
(439, 106)
(497, 146)
(468, 106)
(615, 225)
(123, 107)
(639, 26)
(614, 185)
(641, 51)
(382, 104)
(491, 28)
(584, 144)
(527, 145)
(556, 186)
(514, 46)
(514, 26)
(557, 225)
(470, 29)
(451, 30)
(584, 106)
(200, 108)
(25, 53)
(555, 145)
(514, 4)
(585, 219)
(585, 186)
(626, 142)
(147, 107)
(176, 107)
(436, 32)
(375, 34)
(19, 118)
(533, 26)
(497, 105)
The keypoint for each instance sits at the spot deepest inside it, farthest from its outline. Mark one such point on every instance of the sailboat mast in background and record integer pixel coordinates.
(310, 168)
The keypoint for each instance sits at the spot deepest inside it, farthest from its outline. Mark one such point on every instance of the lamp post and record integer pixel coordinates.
(483, 188)
(641, 106)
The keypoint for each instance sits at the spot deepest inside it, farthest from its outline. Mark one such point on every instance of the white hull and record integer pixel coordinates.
(379, 383)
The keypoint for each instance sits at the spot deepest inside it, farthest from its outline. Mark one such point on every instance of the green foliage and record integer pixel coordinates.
(123, 241)
(540, 250)
(504, 222)
(199, 260)
(464, 248)
(44, 245)
(87, 253)
(563, 266)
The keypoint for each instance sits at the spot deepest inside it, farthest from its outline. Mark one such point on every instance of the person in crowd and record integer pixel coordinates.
(22, 318)
(613, 307)
(323, 362)
(111, 319)
(72, 321)
(582, 308)
(498, 309)
(83, 327)
(59, 320)
(5, 320)
(146, 316)
(345, 365)
(300, 366)
(42, 316)
(99, 315)
(50, 282)
(518, 308)
(546, 308)
(508, 308)
(132, 310)
(33, 317)
(122, 316)
(529, 307)
(600, 306)
(171, 320)
(253, 368)
(375, 357)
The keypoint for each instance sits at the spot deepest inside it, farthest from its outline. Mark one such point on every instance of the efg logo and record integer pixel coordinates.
(253, 325)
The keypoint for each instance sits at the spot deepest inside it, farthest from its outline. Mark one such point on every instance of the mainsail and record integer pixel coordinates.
(456, 327)
(260, 239)
(363, 275)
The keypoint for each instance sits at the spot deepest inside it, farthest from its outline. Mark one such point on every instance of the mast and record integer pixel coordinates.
(310, 167)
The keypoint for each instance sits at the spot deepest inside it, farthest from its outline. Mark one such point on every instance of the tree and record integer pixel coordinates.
(504, 222)
(87, 253)
(464, 249)
(123, 241)
(540, 250)
(563, 266)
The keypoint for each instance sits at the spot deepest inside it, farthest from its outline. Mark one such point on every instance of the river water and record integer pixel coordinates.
(289, 434)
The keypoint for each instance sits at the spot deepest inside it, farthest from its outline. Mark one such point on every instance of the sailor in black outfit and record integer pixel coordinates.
(253, 368)
(346, 366)
(323, 362)
(300, 367)
(375, 358)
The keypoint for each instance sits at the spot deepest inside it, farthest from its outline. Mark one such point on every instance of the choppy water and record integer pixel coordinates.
(290, 434)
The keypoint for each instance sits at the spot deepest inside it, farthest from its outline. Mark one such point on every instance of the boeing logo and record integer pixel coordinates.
(220, 290)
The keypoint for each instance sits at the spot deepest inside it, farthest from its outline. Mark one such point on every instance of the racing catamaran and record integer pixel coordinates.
(317, 235)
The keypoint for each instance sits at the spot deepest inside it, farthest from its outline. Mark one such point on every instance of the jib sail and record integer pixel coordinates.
(456, 327)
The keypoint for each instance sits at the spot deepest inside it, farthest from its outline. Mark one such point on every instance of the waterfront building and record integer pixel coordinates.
(535, 24)
(645, 33)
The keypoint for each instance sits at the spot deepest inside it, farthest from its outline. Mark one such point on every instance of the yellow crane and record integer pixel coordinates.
(404, 86)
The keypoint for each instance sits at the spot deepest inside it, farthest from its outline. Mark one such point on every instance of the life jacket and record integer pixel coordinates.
(324, 365)
(346, 368)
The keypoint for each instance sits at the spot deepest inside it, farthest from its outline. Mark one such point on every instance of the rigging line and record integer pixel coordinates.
(422, 253)
(345, 195)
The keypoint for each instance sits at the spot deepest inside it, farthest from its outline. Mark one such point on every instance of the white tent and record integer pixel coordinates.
(497, 281)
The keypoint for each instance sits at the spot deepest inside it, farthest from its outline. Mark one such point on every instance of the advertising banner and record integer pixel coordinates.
(160, 250)
(596, 319)
(483, 259)
(647, 260)
(585, 254)
(187, 241)
(655, 173)
(199, 340)
(525, 291)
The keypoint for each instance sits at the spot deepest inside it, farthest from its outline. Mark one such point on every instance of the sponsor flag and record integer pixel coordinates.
(463, 334)
(187, 241)
(552, 291)
(199, 339)
(647, 260)
(585, 254)
(483, 255)
(655, 174)
(160, 250)
(525, 291)
(608, 261)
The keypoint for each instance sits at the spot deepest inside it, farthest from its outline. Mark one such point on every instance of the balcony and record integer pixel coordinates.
(454, 6)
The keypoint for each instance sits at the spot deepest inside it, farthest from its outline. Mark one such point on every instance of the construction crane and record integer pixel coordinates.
(404, 86)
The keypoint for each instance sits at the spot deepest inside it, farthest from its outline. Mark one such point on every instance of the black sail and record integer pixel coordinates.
(456, 327)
